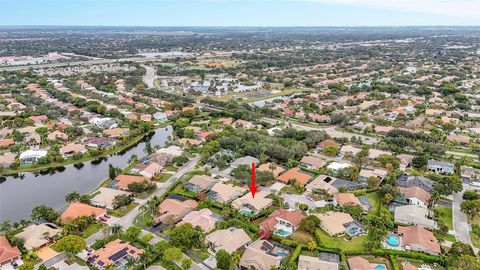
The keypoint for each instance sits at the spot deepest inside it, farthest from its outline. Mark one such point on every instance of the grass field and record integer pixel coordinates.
(93, 229)
(122, 211)
(445, 215)
(356, 244)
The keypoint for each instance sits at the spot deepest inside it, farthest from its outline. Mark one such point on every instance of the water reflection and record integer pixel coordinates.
(21, 192)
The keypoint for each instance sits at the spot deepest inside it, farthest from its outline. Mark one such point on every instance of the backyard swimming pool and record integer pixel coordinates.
(393, 240)
(281, 232)
(380, 267)
(245, 212)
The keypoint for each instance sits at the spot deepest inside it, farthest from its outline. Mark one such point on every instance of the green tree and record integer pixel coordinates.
(470, 195)
(186, 237)
(133, 233)
(224, 260)
(471, 208)
(466, 262)
(71, 244)
(43, 212)
(172, 254)
(186, 264)
(331, 150)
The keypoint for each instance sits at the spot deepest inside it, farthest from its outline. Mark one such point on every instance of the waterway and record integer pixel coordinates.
(20, 194)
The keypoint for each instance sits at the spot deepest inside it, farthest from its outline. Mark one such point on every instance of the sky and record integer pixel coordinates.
(239, 12)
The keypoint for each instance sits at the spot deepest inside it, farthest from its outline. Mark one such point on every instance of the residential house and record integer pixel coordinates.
(379, 173)
(470, 173)
(78, 209)
(172, 150)
(224, 193)
(116, 132)
(383, 129)
(200, 183)
(415, 196)
(99, 142)
(375, 153)
(359, 263)
(105, 197)
(295, 175)
(185, 142)
(204, 218)
(5, 143)
(8, 253)
(242, 123)
(230, 240)
(418, 238)
(406, 180)
(414, 215)
(72, 148)
(441, 167)
(344, 199)
(312, 162)
(7, 159)
(171, 210)
(33, 236)
(115, 253)
(281, 222)
(262, 255)
(31, 156)
(349, 150)
(324, 261)
(151, 170)
(336, 223)
(337, 166)
(405, 160)
(325, 143)
(322, 182)
(270, 167)
(122, 181)
(57, 135)
(248, 205)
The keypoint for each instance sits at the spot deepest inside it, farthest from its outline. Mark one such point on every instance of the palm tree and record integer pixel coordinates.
(116, 229)
(5, 227)
(68, 228)
(131, 262)
(311, 245)
(235, 259)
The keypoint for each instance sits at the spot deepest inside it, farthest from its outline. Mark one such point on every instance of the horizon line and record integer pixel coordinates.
(243, 26)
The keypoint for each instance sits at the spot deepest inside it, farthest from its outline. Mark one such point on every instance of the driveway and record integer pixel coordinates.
(294, 200)
(460, 221)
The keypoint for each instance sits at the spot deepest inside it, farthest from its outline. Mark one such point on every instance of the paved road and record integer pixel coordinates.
(460, 221)
(329, 130)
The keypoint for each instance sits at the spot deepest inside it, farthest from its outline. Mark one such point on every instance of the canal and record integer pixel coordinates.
(20, 194)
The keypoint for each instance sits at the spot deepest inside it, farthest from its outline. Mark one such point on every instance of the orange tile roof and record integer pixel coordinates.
(7, 251)
(6, 142)
(294, 217)
(124, 180)
(294, 174)
(103, 257)
(78, 209)
(417, 235)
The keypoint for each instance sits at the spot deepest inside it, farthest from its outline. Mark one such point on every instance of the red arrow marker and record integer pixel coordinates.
(253, 187)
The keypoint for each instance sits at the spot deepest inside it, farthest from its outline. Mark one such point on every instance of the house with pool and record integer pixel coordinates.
(359, 263)
(263, 255)
(247, 205)
(281, 222)
(338, 223)
(417, 238)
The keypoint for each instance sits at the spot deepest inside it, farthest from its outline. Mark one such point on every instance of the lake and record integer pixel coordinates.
(20, 194)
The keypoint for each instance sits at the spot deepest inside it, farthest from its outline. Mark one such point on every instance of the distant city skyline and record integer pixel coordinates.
(239, 12)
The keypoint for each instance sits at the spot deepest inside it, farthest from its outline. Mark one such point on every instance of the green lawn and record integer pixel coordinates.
(301, 237)
(356, 244)
(93, 229)
(171, 169)
(475, 240)
(445, 214)
(122, 211)
(374, 200)
(144, 220)
(163, 177)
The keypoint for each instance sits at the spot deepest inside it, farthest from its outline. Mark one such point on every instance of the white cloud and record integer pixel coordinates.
(454, 8)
